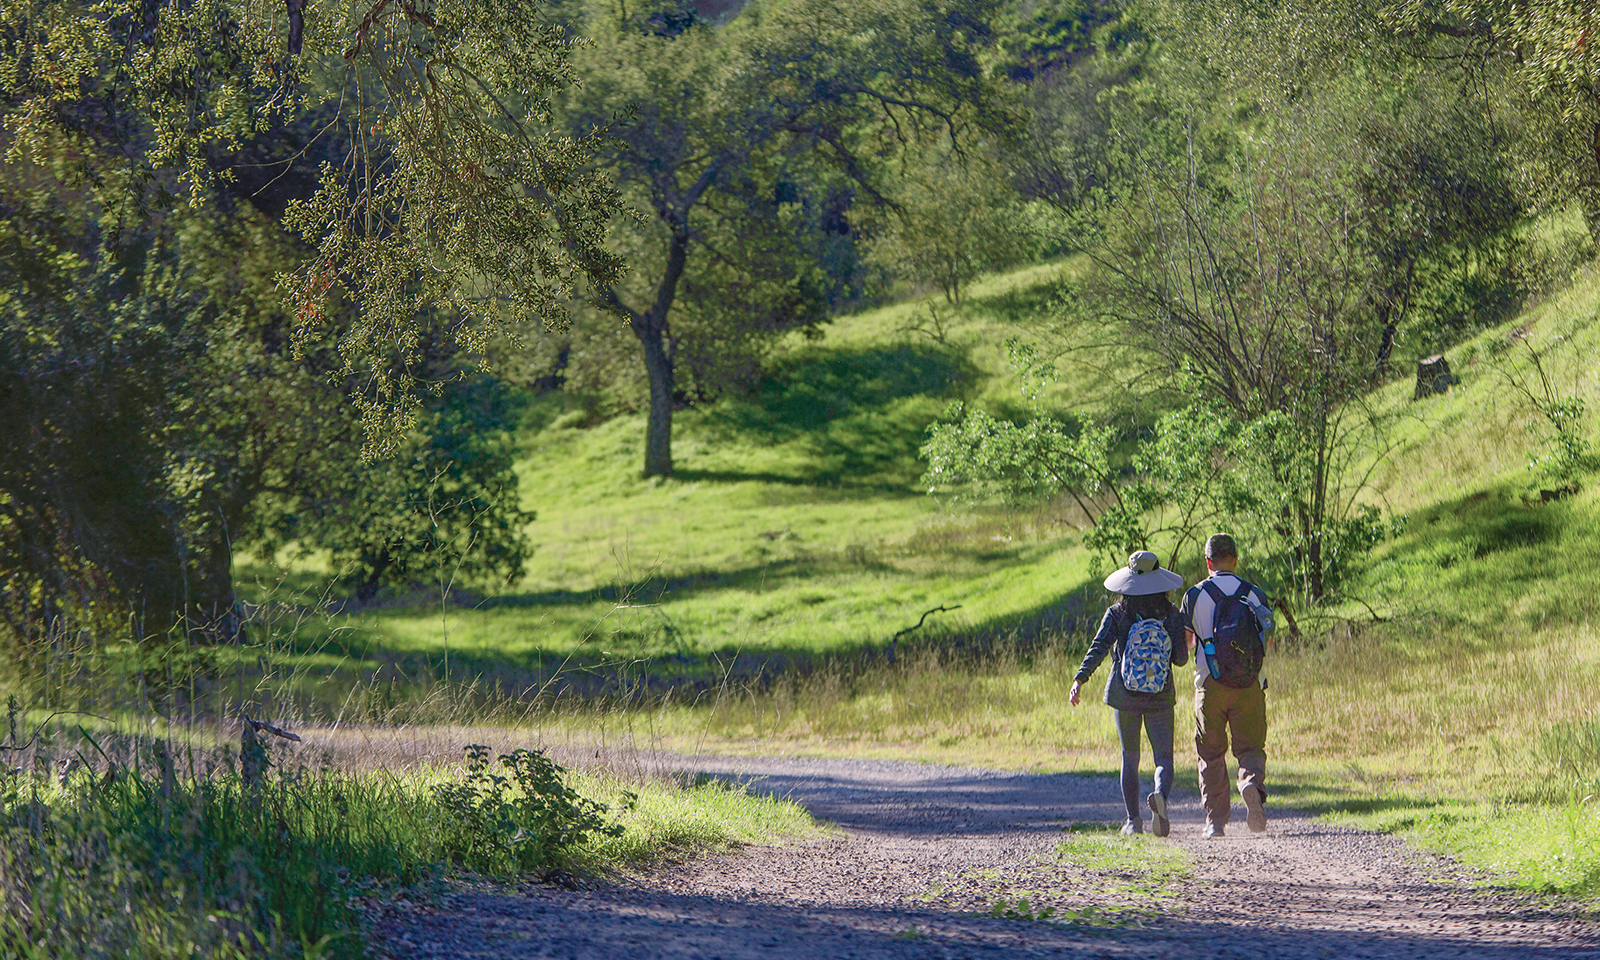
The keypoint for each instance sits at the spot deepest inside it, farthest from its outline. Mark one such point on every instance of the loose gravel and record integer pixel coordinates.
(924, 852)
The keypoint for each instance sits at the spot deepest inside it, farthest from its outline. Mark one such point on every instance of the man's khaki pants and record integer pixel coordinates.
(1217, 710)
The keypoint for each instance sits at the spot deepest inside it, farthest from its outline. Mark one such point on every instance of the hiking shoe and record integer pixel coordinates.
(1255, 816)
(1131, 827)
(1212, 831)
(1159, 824)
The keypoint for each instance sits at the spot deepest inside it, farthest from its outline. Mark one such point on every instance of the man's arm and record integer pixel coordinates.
(1186, 608)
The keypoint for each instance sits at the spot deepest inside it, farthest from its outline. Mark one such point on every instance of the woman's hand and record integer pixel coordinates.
(1073, 696)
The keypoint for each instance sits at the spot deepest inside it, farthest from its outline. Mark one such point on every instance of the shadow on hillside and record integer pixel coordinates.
(613, 667)
(811, 480)
(1019, 305)
(1478, 557)
(655, 589)
(1315, 799)
(861, 414)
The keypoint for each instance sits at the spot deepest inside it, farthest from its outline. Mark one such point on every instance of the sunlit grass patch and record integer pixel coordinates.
(1135, 869)
(1546, 848)
(663, 818)
(1094, 877)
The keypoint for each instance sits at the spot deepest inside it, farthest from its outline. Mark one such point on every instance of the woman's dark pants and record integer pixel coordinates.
(1157, 725)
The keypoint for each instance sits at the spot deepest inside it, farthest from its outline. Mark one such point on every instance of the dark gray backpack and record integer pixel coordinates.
(1235, 650)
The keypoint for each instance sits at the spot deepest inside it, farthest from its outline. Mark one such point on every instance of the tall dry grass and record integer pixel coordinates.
(1365, 709)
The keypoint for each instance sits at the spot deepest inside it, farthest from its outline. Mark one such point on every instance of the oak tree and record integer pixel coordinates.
(719, 126)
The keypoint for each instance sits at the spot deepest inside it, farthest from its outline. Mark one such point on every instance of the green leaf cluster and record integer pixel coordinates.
(518, 821)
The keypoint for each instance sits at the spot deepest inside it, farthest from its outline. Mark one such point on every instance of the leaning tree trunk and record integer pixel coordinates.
(651, 329)
(658, 432)
(212, 614)
(1589, 191)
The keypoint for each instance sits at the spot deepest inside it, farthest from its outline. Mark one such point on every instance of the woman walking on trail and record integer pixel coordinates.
(1143, 633)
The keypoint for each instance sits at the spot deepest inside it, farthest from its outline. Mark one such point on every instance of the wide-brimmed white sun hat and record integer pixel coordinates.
(1143, 575)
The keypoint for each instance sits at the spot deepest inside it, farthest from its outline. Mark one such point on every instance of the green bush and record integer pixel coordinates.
(518, 822)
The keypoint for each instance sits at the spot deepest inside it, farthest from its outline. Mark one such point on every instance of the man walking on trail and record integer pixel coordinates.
(1228, 625)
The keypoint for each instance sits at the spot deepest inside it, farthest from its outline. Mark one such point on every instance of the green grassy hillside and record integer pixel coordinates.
(1484, 545)
(794, 527)
(1461, 678)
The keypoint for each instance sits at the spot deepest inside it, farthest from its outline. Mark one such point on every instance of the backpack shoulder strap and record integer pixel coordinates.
(1213, 591)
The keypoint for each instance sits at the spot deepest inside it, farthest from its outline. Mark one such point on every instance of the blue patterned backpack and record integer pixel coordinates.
(1147, 657)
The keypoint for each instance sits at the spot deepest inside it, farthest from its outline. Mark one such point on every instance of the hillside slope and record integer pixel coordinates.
(796, 528)
(1492, 541)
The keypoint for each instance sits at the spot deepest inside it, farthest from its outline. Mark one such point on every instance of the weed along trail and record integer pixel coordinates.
(948, 862)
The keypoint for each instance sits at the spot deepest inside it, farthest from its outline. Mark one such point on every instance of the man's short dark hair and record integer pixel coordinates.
(1220, 546)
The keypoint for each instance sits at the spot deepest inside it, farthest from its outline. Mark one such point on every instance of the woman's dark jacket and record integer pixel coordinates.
(1113, 636)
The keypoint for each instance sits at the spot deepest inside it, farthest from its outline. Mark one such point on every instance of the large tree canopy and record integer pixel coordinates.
(1264, 227)
(444, 195)
(737, 142)
(156, 383)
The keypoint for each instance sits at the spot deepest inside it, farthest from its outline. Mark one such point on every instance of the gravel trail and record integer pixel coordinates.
(925, 851)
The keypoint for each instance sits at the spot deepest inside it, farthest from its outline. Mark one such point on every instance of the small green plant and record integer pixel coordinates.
(1020, 909)
(1048, 455)
(927, 322)
(1565, 448)
(518, 821)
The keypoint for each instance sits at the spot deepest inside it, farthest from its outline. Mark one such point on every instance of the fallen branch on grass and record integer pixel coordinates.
(44, 723)
(1373, 613)
(920, 620)
(262, 725)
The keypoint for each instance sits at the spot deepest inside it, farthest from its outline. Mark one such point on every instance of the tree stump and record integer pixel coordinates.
(253, 759)
(1433, 376)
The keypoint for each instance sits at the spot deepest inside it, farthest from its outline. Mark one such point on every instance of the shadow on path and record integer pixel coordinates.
(608, 924)
(913, 799)
(1304, 891)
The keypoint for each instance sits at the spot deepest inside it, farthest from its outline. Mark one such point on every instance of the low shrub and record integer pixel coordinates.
(156, 857)
(517, 822)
